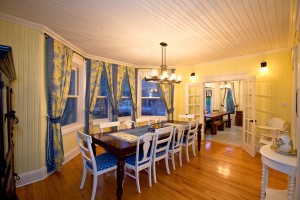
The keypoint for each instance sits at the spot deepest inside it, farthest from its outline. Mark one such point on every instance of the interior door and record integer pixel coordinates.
(248, 139)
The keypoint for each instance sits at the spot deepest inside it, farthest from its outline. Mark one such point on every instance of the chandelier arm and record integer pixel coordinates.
(163, 77)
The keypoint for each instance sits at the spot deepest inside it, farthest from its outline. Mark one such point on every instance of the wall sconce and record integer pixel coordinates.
(193, 76)
(263, 67)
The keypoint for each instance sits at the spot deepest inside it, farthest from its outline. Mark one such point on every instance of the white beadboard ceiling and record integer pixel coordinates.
(196, 31)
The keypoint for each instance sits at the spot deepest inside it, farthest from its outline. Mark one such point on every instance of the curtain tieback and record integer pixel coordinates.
(170, 110)
(134, 107)
(55, 120)
(89, 111)
(115, 111)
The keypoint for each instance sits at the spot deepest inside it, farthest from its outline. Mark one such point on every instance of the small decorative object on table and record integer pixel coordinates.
(153, 126)
(284, 144)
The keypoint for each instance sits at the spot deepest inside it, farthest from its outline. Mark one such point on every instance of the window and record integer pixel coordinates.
(70, 115)
(101, 106)
(151, 103)
(73, 116)
(125, 101)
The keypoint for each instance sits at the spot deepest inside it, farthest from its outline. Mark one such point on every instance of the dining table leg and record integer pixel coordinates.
(120, 177)
(213, 128)
(229, 121)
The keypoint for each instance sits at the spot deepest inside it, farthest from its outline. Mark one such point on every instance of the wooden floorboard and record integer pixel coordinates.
(219, 171)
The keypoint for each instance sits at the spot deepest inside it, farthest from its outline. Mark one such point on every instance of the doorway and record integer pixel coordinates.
(225, 96)
(248, 131)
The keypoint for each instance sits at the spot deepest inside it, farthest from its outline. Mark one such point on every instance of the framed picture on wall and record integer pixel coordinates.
(208, 93)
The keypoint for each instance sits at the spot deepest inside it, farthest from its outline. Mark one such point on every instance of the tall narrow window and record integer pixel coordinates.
(151, 103)
(70, 115)
(125, 101)
(101, 107)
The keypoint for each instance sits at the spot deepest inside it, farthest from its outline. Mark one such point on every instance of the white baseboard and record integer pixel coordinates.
(71, 154)
(40, 174)
(32, 176)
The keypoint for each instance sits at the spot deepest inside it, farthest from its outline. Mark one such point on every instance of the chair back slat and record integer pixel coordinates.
(162, 142)
(193, 128)
(86, 152)
(109, 125)
(147, 149)
(129, 124)
(177, 137)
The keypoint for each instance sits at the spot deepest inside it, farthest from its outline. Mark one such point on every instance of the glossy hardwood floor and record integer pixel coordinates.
(218, 171)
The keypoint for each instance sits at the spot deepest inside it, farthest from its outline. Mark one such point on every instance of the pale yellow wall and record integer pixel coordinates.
(30, 96)
(28, 53)
(272, 88)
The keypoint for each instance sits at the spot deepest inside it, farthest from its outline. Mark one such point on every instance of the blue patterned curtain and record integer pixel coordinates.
(94, 71)
(59, 60)
(165, 92)
(229, 102)
(132, 84)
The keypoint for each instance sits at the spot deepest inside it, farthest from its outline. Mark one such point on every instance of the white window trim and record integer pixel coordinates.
(141, 74)
(80, 64)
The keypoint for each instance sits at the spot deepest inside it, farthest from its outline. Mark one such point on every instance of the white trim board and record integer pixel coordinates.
(41, 174)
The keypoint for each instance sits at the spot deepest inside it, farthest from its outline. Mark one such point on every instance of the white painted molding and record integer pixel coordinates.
(71, 154)
(32, 176)
(40, 174)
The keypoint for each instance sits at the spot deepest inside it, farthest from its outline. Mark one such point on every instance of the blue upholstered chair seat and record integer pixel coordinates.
(104, 161)
(131, 159)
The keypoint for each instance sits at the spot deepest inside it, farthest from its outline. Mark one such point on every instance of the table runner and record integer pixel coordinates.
(125, 137)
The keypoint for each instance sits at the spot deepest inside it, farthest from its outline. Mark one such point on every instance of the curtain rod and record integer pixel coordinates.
(84, 58)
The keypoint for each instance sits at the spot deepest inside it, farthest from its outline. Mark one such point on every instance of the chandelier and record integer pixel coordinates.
(163, 77)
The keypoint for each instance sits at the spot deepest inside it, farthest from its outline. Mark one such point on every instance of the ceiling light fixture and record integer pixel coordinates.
(163, 77)
(224, 85)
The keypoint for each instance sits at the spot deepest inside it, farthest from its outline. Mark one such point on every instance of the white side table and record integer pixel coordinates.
(284, 163)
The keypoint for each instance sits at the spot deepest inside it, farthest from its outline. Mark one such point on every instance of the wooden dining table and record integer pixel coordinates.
(121, 148)
(214, 124)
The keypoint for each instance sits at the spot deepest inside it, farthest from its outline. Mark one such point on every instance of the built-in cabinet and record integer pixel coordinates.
(193, 102)
(7, 120)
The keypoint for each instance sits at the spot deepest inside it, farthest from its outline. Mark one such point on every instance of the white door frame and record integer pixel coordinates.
(217, 78)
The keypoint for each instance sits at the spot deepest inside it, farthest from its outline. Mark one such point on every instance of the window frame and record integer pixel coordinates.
(78, 63)
(98, 121)
(141, 74)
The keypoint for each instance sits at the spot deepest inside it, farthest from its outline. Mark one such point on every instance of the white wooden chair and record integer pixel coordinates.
(129, 124)
(141, 160)
(190, 138)
(143, 120)
(270, 131)
(161, 147)
(176, 145)
(109, 125)
(95, 165)
(186, 117)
